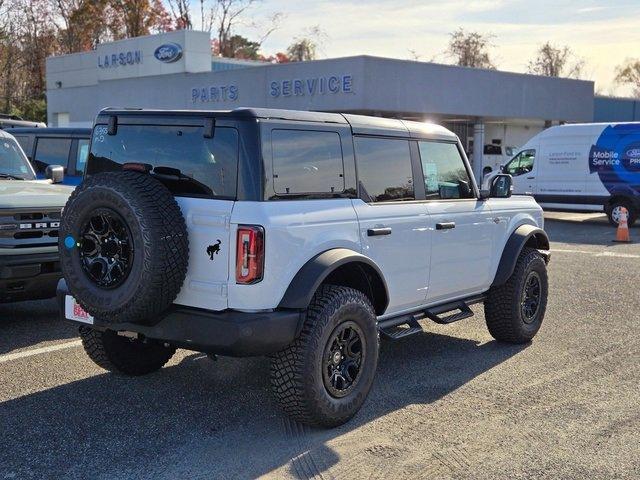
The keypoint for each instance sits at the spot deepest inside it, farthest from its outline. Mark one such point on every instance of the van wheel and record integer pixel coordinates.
(324, 376)
(514, 311)
(119, 354)
(614, 211)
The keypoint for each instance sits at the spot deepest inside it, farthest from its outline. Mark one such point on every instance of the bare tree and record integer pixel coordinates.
(552, 61)
(470, 49)
(629, 74)
(181, 11)
(306, 47)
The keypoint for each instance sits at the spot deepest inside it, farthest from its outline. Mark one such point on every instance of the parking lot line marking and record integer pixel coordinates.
(596, 254)
(8, 357)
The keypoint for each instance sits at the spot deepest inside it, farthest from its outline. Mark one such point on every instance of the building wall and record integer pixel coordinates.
(610, 109)
(354, 84)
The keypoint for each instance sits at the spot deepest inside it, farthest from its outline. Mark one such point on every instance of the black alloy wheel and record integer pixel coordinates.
(531, 293)
(106, 248)
(343, 355)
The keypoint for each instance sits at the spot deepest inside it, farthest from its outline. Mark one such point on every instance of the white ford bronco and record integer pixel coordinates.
(303, 236)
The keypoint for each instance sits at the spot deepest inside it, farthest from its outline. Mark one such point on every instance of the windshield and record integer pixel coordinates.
(13, 163)
(180, 156)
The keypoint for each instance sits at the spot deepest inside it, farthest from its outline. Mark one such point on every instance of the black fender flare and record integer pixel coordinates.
(522, 236)
(309, 278)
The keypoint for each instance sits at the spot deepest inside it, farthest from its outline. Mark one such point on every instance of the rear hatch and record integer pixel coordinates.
(202, 174)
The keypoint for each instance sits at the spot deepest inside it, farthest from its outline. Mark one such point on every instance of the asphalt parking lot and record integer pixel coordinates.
(450, 403)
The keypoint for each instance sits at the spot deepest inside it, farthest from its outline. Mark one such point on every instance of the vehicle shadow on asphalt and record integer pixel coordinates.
(24, 324)
(206, 419)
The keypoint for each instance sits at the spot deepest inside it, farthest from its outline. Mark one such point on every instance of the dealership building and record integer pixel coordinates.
(177, 71)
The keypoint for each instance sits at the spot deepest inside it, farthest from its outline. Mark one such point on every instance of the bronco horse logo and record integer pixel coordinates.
(213, 249)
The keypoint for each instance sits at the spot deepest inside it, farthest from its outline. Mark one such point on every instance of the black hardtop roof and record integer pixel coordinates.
(360, 124)
(53, 131)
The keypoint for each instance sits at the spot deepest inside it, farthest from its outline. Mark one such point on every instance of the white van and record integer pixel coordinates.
(582, 167)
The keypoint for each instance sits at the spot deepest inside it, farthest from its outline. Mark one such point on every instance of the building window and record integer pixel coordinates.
(384, 169)
(307, 162)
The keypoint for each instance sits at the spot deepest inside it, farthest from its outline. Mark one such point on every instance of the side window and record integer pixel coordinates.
(445, 175)
(384, 169)
(306, 161)
(81, 155)
(51, 151)
(521, 163)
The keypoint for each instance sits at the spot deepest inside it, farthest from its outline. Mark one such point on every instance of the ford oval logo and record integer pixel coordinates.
(168, 52)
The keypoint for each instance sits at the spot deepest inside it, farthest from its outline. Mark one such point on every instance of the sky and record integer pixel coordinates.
(602, 33)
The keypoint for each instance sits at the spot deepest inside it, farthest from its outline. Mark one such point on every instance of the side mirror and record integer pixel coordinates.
(464, 189)
(501, 168)
(499, 185)
(55, 173)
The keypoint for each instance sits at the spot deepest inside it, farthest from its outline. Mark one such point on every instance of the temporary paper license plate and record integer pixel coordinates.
(73, 311)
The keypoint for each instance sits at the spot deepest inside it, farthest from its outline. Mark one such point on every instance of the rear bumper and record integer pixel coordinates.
(28, 277)
(232, 333)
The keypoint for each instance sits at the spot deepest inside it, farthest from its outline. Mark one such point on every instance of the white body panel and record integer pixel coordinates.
(208, 221)
(403, 256)
(295, 231)
(461, 257)
(421, 266)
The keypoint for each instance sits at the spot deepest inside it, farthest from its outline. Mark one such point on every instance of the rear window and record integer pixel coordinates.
(307, 162)
(182, 158)
(384, 169)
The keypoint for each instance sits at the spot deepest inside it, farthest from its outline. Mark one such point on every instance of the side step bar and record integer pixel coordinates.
(404, 325)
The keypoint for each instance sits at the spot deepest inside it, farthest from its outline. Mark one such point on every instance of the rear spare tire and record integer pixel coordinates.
(123, 244)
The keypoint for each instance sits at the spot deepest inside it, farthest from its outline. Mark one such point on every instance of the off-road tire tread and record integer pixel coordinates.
(499, 305)
(152, 358)
(163, 220)
(287, 366)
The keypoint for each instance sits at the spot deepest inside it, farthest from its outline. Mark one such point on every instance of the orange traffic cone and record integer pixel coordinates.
(622, 233)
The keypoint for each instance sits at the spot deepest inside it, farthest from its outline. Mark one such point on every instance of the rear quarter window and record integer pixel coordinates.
(306, 162)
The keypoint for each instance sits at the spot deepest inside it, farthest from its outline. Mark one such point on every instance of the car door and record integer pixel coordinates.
(523, 169)
(393, 226)
(462, 225)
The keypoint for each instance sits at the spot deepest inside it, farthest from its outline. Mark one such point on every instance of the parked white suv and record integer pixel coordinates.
(293, 234)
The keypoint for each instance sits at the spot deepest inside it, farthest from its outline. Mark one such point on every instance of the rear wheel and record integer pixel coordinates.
(514, 311)
(120, 354)
(614, 212)
(324, 376)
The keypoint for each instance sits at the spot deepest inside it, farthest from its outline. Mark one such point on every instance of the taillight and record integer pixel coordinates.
(249, 254)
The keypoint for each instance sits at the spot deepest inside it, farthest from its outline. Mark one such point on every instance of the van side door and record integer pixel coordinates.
(394, 229)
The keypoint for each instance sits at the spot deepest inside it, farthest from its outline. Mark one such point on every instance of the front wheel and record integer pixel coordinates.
(324, 376)
(120, 354)
(514, 311)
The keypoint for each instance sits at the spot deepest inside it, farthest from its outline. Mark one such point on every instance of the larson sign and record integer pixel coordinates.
(121, 59)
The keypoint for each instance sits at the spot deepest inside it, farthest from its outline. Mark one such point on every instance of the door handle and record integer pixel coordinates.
(374, 232)
(445, 225)
(531, 178)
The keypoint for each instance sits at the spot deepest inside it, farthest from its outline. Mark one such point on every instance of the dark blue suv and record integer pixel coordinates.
(68, 147)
